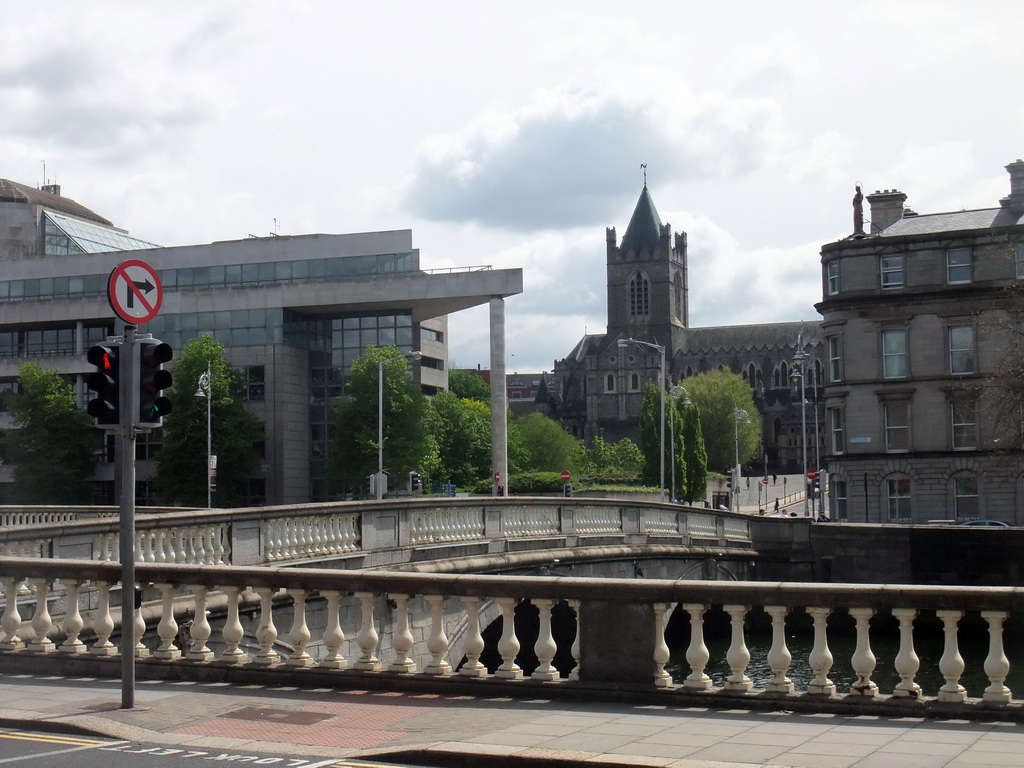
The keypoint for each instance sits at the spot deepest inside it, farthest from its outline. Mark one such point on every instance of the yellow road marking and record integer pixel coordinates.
(53, 739)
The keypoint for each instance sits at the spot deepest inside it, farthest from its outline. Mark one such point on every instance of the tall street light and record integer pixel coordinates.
(661, 386)
(379, 484)
(799, 361)
(738, 415)
(205, 390)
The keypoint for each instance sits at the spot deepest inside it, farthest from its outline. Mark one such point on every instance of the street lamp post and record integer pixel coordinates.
(205, 390)
(661, 386)
(799, 359)
(379, 484)
(738, 413)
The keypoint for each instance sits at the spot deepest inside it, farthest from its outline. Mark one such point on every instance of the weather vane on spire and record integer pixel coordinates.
(644, 167)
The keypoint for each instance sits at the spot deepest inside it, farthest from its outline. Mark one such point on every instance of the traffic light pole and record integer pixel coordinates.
(129, 406)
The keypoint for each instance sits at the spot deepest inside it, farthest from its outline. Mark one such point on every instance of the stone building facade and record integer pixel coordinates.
(920, 320)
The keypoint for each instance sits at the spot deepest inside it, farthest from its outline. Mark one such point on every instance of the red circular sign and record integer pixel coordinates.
(812, 474)
(134, 291)
(565, 476)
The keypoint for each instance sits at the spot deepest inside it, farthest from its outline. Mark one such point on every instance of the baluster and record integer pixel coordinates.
(545, 647)
(73, 623)
(367, 636)
(200, 631)
(575, 650)
(508, 645)
(437, 643)
(12, 618)
(266, 632)
(863, 661)
(299, 635)
(141, 651)
(315, 537)
(907, 661)
(333, 534)
(190, 545)
(697, 654)
(103, 622)
(997, 666)
(820, 658)
(291, 538)
(201, 549)
(662, 612)
(42, 623)
(168, 627)
(951, 665)
(401, 639)
(474, 643)
(219, 548)
(233, 631)
(738, 655)
(334, 636)
(779, 657)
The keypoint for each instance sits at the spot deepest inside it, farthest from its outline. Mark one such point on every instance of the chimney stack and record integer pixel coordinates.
(1015, 200)
(886, 208)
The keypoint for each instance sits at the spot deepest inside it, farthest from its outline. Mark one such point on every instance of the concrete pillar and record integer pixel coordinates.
(499, 404)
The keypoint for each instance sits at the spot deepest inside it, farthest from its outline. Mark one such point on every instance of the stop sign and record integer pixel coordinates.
(565, 476)
(812, 474)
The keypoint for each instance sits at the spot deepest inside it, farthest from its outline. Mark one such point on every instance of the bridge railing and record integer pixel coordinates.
(357, 532)
(389, 628)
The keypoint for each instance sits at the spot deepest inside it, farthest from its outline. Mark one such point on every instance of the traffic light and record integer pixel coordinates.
(104, 381)
(153, 379)
(728, 479)
(415, 482)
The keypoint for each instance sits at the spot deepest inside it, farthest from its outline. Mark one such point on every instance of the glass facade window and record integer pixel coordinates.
(833, 278)
(958, 266)
(892, 272)
(835, 358)
(961, 349)
(966, 497)
(898, 495)
(894, 354)
(897, 426)
(964, 424)
(836, 427)
(255, 384)
(639, 296)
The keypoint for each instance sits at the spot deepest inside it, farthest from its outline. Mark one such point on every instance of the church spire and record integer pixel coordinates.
(643, 234)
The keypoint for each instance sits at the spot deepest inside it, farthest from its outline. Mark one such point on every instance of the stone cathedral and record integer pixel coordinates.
(599, 385)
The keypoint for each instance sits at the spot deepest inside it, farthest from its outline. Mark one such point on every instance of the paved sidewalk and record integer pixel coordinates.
(466, 730)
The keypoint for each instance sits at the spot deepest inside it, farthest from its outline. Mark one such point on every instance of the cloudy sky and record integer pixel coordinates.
(512, 134)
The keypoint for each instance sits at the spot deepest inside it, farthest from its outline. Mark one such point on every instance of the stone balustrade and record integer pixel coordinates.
(367, 534)
(374, 628)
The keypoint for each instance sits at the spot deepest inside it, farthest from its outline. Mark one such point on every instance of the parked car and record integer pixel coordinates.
(985, 524)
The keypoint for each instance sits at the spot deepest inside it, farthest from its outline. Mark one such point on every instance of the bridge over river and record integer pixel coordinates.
(626, 600)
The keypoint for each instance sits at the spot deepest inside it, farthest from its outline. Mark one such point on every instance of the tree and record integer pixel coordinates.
(462, 430)
(407, 443)
(550, 447)
(651, 441)
(52, 447)
(467, 386)
(621, 456)
(695, 456)
(181, 462)
(718, 394)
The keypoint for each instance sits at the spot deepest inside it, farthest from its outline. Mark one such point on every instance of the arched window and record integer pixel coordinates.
(752, 374)
(610, 383)
(634, 382)
(639, 296)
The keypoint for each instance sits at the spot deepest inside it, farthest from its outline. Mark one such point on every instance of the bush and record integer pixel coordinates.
(527, 483)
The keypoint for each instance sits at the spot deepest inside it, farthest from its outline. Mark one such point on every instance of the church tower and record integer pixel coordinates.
(647, 289)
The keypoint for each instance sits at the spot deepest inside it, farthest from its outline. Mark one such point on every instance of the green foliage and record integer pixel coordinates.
(718, 394)
(551, 448)
(462, 430)
(623, 456)
(695, 456)
(407, 444)
(52, 448)
(650, 434)
(527, 483)
(467, 386)
(181, 463)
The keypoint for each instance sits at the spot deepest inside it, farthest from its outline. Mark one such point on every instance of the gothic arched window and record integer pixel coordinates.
(639, 296)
